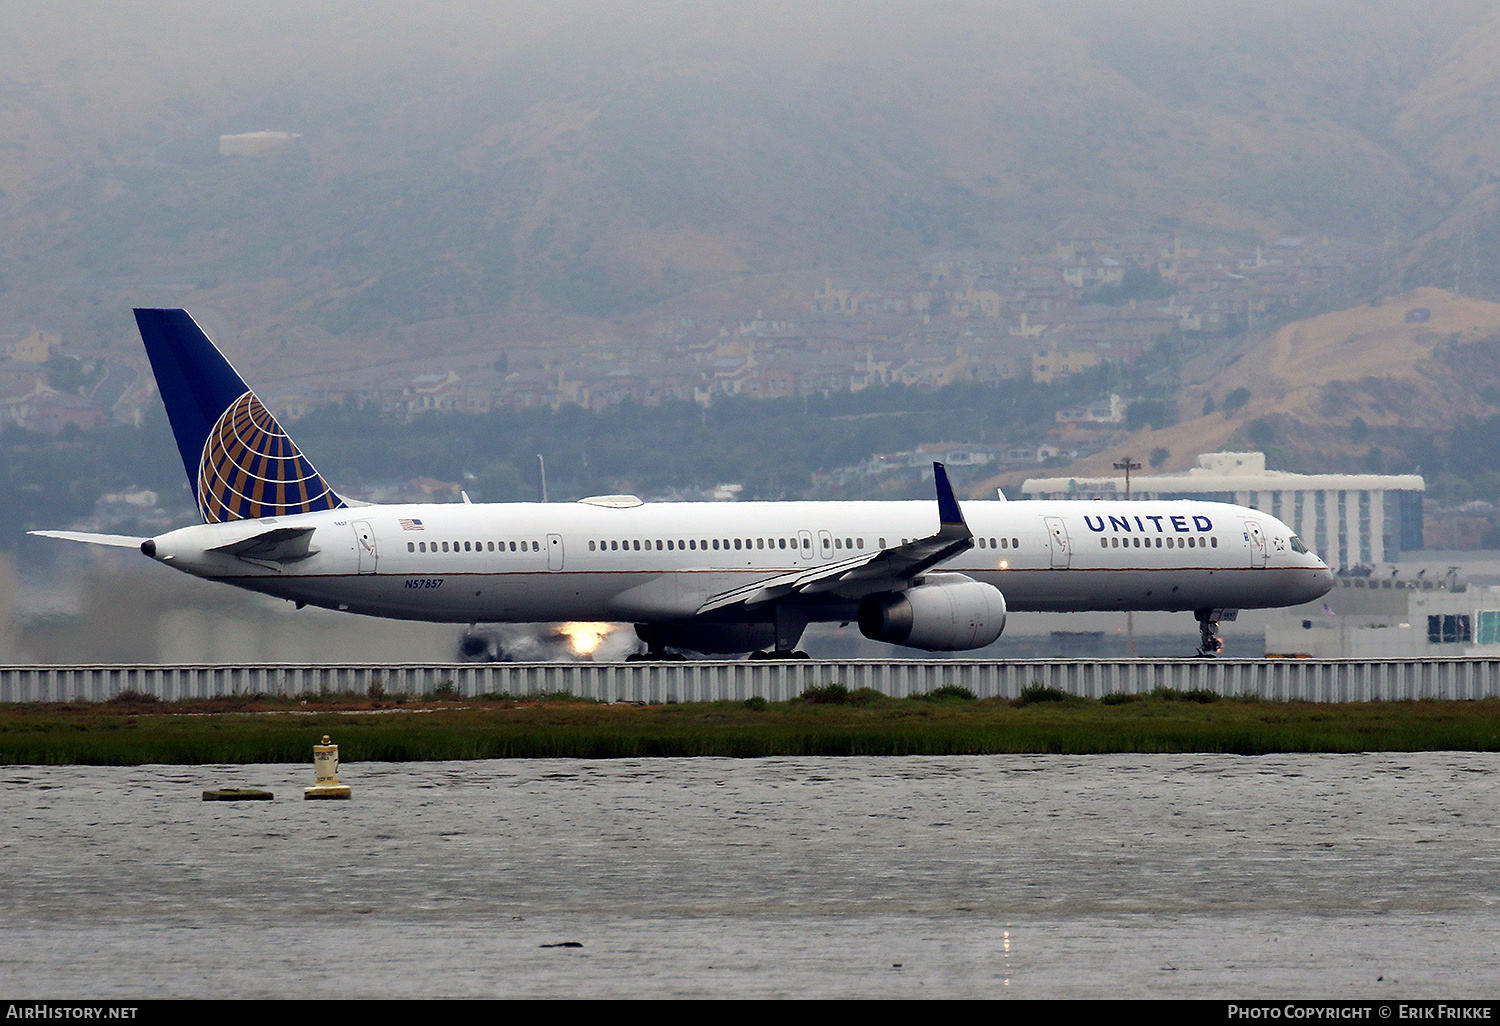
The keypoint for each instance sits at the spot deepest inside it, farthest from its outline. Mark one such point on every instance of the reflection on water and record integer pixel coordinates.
(1197, 876)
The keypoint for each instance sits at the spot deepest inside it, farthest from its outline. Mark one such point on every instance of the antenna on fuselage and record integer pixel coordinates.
(542, 466)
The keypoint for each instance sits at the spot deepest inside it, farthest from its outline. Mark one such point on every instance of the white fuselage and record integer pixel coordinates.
(661, 562)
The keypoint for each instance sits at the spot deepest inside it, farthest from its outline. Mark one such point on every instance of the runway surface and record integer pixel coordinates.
(1367, 876)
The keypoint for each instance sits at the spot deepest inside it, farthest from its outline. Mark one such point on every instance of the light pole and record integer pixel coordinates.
(1128, 465)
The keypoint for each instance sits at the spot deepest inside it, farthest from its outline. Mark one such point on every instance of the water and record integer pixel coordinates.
(1368, 876)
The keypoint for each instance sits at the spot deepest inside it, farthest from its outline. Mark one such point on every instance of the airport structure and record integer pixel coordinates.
(1347, 519)
(1379, 617)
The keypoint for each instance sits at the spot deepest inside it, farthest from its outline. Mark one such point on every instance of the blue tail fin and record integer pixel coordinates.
(240, 463)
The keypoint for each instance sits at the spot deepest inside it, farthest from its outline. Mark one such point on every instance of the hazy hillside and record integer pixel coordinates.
(492, 168)
(1368, 388)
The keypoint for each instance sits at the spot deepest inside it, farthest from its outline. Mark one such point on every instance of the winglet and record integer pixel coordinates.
(949, 514)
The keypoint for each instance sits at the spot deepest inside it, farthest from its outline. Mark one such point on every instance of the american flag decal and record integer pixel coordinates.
(411, 525)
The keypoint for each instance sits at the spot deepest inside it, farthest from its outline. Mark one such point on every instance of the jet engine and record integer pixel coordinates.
(941, 613)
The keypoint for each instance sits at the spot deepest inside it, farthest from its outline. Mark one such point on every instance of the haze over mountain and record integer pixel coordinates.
(468, 171)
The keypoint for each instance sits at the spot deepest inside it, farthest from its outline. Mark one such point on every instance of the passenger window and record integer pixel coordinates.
(445, 546)
(1015, 543)
(1104, 543)
(1214, 542)
(837, 543)
(411, 546)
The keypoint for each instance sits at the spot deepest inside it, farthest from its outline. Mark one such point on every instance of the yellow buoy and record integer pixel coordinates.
(326, 773)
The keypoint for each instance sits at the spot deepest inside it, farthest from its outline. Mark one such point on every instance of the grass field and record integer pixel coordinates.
(828, 721)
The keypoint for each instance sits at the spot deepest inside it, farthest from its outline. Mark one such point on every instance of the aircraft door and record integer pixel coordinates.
(804, 539)
(1257, 542)
(364, 545)
(1057, 539)
(825, 547)
(554, 552)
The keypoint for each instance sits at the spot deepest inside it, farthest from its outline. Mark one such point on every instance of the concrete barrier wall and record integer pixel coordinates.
(1323, 680)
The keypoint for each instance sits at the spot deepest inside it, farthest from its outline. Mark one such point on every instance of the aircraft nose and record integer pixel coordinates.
(1323, 579)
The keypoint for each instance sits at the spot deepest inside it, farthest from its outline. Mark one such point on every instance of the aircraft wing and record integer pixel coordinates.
(118, 540)
(887, 570)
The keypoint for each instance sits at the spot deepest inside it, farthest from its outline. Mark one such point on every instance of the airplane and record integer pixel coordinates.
(711, 578)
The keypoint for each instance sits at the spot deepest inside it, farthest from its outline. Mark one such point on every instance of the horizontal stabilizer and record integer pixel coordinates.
(120, 541)
(278, 545)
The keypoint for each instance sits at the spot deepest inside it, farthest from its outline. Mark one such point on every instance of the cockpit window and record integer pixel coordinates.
(1297, 545)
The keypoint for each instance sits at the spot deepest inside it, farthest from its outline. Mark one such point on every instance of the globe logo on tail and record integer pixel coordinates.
(250, 469)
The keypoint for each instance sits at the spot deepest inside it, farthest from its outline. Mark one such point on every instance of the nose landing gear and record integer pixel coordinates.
(1209, 642)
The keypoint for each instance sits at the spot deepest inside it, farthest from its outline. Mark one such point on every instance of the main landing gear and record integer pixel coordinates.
(662, 656)
(656, 648)
(1210, 645)
(788, 622)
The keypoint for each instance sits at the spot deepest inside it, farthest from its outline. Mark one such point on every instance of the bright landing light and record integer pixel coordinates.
(585, 637)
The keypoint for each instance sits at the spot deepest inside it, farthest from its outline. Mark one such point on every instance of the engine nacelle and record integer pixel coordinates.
(943, 613)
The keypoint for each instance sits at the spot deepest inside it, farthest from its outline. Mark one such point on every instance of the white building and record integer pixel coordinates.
(1382, 618)
(254, 144)
(1348, 519)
